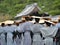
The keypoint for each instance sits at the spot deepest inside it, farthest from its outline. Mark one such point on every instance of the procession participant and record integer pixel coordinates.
(48, 33)
(53, 25)
(27, 29)
(15, 33)
(37, 36)
(19, 31)
(3, 36)
(22, 31)
(47, 39)
(9, 31)
(27, 24)
(13, 29)
(58, 32)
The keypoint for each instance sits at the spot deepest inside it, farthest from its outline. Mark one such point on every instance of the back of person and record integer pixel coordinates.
(37, 39)
(57, 37)
(27, 38)
(27, 25)
(27, 29)
(3, 40)
(20, 31)
(36, 27)
(9, 38)
(9, 29)
(48, 34)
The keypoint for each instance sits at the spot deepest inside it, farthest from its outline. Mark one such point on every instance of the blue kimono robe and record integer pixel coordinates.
(9, 30)
(48, 33)
(37, 39)
(2, 31)
(27, 28)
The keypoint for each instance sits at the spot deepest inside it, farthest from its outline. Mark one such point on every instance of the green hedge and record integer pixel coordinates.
(54, 12)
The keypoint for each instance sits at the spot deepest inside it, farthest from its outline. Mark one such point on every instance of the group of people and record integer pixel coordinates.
(28, 33)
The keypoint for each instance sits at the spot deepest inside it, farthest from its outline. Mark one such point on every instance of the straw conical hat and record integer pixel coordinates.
(0, 23)
(35, 17)
(42, 21)
(9, 22)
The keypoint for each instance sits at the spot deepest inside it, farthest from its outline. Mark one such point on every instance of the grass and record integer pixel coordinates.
(5, 17)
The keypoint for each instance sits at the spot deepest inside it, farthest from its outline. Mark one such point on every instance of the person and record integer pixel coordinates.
(37, 36)
(9, 29)
(27, 29)
(57, 37)
(19, 31)
(3, 36)
(48, 33)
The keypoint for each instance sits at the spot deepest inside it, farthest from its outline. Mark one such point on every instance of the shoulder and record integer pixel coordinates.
(58, 24)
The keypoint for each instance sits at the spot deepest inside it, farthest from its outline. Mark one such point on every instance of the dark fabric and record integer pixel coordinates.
(58, 42)
(19, 35)
(58, 35)
(14, 35)
(31, 33)
(6, 37)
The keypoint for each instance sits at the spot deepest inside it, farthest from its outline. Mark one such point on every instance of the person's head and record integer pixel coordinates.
(27, 18)
(3, 24)
(59, 20)
(47, 24)
(23, 21)
(31, 18)
(37, 20)
(17, 24)
(9, 24)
